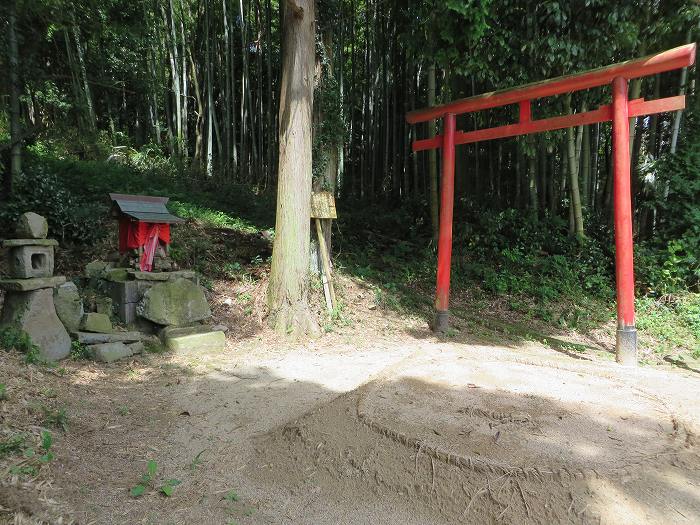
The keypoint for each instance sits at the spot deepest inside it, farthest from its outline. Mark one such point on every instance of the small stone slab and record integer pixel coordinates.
(11, 243)
(116, 274)
(108, 352)
(93, 338)
(193, 339)
(149, 276)
(27, 285)
(94, 322)
(183, 274)
(162, 276)
(32, 225)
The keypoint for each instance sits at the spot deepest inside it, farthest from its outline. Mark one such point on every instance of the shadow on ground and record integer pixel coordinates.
(434, 436)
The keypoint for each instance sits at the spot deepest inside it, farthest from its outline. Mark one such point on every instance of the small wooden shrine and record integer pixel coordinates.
(144, 226)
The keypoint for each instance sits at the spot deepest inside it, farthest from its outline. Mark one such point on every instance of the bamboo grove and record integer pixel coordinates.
(197, 80)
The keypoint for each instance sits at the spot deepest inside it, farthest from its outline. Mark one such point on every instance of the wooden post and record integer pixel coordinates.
(442, 291)
(626, 345)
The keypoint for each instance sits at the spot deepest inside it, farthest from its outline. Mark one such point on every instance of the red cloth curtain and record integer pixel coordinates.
(134, 234)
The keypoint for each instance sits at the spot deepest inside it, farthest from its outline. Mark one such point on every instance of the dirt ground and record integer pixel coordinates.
(375, 422)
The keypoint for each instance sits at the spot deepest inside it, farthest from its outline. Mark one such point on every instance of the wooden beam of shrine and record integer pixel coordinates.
(637, 108)
(676, 58)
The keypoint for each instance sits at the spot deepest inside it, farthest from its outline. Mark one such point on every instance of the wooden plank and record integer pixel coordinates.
(323, 205)
(676, 58)
(637, 107)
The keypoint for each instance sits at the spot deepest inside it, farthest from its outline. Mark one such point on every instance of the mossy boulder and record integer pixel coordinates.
(69, 305)
(179, 302)
(33, 313)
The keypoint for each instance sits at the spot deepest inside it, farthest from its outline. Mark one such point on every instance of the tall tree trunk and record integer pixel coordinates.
(210, 100)
(594, 165)
(585, 166)
(15, 127)
(432, 160)
(89, 108)
(289, 277)
(573, 178)
(532, 173)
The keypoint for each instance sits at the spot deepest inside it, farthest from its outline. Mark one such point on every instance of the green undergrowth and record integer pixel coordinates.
(508, 266)
(674, 322)
(74, 196)
(14, 339)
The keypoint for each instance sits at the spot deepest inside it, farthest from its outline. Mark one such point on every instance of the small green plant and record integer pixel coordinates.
(123, 410)
(13, 339)
(231, 496)
(79, 351)
(49, 393)
(32, 459)
(3, 392)
(168, 486)
(148, 481)
(14, 443)
(197, 460)
(55, 417)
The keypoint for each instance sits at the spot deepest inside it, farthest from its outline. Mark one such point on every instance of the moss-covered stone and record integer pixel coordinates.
(69, 306)
(27, 285)
(116, 274)
(193, 339)
(95, 322)
(96, 269)
(12, 243)
(33, 312)
(103, 305)
(179, 302)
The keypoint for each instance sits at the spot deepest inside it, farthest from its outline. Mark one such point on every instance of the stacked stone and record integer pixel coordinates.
(29, 304)
(178, 306)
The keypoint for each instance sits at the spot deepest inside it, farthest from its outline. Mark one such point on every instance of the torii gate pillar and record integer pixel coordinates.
(619, 112)
(626, 347)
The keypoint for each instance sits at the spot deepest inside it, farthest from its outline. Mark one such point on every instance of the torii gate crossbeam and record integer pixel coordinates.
(619, 112)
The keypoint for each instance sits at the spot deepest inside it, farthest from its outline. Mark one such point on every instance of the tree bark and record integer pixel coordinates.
(573, 178)
(432, 160)
(289, 277)
(15, 126)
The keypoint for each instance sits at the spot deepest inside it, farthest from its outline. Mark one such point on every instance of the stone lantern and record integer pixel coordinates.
(29, 304)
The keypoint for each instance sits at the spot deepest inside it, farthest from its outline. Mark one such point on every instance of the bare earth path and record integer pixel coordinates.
(367, 428)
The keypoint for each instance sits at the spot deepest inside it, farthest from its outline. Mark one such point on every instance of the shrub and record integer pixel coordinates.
(70, 218)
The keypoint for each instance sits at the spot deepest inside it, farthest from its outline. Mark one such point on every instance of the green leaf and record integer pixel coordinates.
(46, 440)
(231, 496)
(137, 491)
(167, 490)
(152, 468)
(46, 458)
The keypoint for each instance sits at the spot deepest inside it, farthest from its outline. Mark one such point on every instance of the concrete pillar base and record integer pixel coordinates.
(442, 322)
(626, 346)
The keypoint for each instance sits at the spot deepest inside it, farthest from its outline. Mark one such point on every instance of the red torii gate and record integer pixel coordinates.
(619, 112)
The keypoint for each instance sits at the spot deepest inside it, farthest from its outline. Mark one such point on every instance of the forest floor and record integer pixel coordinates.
(376, 421)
